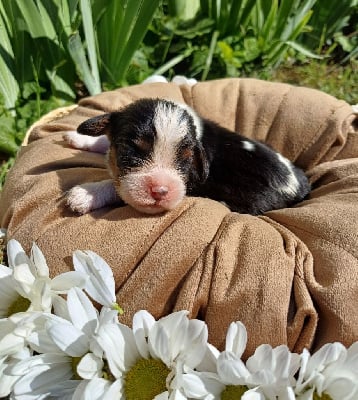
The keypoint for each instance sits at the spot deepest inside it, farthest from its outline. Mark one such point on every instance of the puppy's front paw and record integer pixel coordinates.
(91, 196)
(80, 200)
(76, 140)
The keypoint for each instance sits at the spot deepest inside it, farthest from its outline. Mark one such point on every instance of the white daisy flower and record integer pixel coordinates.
(26, 286)
(268, 374)
(147, 359)
(101, 284)
(330, 373)
(220, 375)
(69, 350)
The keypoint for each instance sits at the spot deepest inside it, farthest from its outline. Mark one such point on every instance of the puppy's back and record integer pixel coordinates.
(247, 175)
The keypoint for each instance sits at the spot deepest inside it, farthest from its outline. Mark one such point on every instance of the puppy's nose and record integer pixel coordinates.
(159, 192)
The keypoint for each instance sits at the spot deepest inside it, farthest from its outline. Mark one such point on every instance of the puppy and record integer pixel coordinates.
(158, 151)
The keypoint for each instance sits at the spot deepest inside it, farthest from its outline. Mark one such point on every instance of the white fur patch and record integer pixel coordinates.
(292, 185)
(197, 120)
(76, 140)
(90, 196)
(170, 128)
(248, 145)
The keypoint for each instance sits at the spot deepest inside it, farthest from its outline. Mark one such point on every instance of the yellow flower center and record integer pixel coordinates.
(146, 379)
(75, 361)
(324, 396)
(232, 392)
(21, 304)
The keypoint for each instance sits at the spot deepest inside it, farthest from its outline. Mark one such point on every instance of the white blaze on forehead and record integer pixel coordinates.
(171, 127)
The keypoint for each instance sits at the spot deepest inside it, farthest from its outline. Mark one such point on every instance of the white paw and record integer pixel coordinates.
(91, 196)
(76, 140)
(80, 200)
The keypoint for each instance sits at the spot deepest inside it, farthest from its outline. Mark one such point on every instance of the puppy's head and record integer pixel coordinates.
(155, 152)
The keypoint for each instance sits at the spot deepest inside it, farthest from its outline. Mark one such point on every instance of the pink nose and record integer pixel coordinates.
(159, 192)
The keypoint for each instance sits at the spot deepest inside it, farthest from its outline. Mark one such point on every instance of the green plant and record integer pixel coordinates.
(228, 35)
(329, 19)
(120, 28)
(14, 127)
(48, 46)
(52, 44)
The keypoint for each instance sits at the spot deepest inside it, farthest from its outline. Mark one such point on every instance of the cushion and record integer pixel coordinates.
(291, 275)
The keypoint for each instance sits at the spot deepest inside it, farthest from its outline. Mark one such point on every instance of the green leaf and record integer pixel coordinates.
(78, 55)
(37, 20)
(88, 28)
(8, 143)
(303, 50)
(9, 87)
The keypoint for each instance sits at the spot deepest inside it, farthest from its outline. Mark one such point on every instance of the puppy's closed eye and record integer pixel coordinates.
(144, 145)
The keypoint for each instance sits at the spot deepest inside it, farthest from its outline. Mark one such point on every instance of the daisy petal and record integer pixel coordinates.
(198, 386)
(252, 395)
(236, 338)
(197, 336)
(82, 312)
(143, 321)
(40, 379)
(162, 396)
(95, 389)
(101, 285)
(159, 344)
(231, 369)
(39, 261)
(24, 279)
(118, 344)
(68, 338)
(90, 367)
(115, 392)
(11, 344)
(64, 282)
(16, 254)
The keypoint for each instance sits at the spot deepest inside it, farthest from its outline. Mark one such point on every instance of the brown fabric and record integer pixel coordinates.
(291, 276)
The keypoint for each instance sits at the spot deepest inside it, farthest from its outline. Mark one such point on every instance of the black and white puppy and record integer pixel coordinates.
(158, 151)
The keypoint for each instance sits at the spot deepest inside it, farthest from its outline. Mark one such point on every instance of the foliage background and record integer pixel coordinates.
(53, 52)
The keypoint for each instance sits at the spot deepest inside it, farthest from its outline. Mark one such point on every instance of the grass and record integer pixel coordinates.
(336, 80)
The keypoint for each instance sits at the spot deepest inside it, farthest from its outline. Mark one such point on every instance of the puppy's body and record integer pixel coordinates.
(247, 175)
(158, 151)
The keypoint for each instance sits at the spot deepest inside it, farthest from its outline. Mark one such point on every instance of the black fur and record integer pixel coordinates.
(245, 180)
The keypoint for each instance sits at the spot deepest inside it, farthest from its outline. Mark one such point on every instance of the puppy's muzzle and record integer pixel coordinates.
(152, 191)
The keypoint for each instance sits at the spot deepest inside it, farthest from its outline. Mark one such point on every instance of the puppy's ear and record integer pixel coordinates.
(201, 163)
(96, 126)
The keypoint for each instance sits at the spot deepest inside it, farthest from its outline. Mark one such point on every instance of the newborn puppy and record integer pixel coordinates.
(159, 150)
